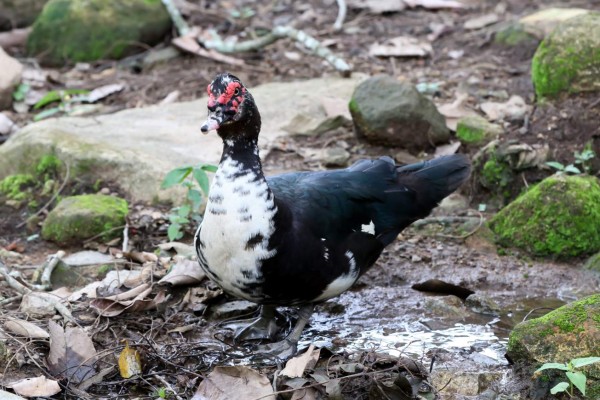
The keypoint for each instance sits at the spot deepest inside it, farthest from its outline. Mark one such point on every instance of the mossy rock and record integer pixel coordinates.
(568, 60)
(388, 112)
(89, 30)
(78, 218)
(593, 263)
(571, 331)
(559, 216)
(476, 131)
(514, 35)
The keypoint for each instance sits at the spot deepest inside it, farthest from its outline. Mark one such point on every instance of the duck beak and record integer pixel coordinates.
(213, 122)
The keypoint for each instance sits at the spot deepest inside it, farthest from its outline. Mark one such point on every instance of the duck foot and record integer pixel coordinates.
(287, 348)
(262, 327)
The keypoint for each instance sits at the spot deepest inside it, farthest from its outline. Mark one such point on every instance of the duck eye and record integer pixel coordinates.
(237, 92)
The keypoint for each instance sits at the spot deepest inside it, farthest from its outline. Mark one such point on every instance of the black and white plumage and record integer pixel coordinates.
(304, 237)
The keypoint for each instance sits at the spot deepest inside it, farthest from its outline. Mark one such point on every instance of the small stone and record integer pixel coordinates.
(482, 304)
(336, 157)
(388, 112)
(77, 218)
(6, 125)
(477, 131)
(88, 30)
(9, 78)
(415, 258)
(232, 309)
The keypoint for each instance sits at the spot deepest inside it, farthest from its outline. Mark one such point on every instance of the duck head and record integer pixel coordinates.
(231, 109)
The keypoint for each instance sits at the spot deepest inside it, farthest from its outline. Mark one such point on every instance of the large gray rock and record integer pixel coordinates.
(136, 148)
(88, 30)
(568, 60)
(392, 113)
(19, 13)
(9, 78)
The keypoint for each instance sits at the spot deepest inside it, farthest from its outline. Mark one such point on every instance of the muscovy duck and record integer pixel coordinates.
(300, 238)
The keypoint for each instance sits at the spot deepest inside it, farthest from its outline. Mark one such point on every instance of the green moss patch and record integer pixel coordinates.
(560, 217)
(514, 35)
(568, 332)
(477, 131)
(88, 30)
(568, 60)
(77, 218)
(14, 187)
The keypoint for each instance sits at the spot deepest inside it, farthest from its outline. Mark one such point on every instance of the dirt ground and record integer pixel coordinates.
(488, 71)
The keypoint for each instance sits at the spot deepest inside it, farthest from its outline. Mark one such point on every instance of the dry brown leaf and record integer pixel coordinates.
(130, 362)
(514, 109)
(296, 366)
(401, 46)
(35, 387)
(184, 272)
(142, 291)
(455, 111)
(481, 21)
(25, 329)
(72, 354)
(239, 382)
(107, 307)
(189, 43)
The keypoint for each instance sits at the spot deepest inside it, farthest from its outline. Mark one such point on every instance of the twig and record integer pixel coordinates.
(10, 299)
(279, 32)
(54, 196)
(125, 237)
(24, 290)
(168, 386)
(440, 220)
(339, 21)
(47, 269)
(182, 27)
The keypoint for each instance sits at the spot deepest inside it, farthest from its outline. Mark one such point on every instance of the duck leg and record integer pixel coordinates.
(263, 327)
(287, 347)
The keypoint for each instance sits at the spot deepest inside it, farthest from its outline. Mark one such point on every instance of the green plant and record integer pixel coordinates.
(161, 393)
(582, 158)
(20, 92)
(190, 177)
(577, 379)
(63, 97)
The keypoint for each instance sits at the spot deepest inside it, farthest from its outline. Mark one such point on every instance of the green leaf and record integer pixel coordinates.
(572, 169)
(555, 165)
(195, 197)
(561, 387)
(560, 366)
(57, 95)
(581, 362)
(202, 179)
(175, 177)
(209, 168)
(578, 380)
(174, 232)
(46, 113)
(20, 92)
(184, 211)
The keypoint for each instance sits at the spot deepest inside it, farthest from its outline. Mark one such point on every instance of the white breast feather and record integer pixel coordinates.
(226, 227)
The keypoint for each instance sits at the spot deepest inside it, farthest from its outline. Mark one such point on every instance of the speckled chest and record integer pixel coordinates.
(233, 239)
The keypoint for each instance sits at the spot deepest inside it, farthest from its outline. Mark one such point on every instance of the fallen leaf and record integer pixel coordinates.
(239, 382)
(481, 21)
(455, 111)
(446, 149)
(434, 4)
(108, 307)
(296, 366)
(88, 257)
(306, 394)
(72, 354)
(40, 304)
(184, 272)
(130, 362)
(514, 109)
(100, 93)
(401, 46)
(35, 387)
(25, 329)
